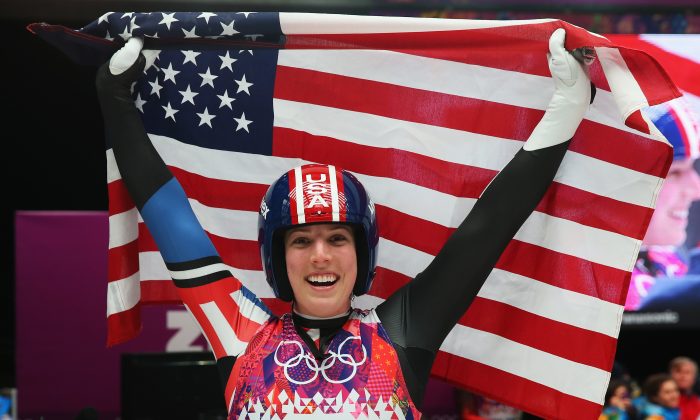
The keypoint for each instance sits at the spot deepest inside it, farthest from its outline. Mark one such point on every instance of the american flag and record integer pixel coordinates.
(425, 112)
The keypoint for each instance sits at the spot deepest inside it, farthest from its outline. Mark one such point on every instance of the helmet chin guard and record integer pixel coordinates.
(309, 194)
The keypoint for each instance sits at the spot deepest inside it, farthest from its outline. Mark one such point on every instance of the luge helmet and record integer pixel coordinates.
(677, 123)
(316, 193)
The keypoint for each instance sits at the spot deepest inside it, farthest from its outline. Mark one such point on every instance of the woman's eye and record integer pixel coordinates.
(338, 238)
(300, 241)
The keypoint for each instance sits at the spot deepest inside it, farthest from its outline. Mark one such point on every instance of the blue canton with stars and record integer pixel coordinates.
(209, 77)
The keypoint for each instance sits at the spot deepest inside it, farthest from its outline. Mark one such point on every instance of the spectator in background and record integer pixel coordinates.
(684, 371)
(660, 400)
(656, 278)
(618, 402)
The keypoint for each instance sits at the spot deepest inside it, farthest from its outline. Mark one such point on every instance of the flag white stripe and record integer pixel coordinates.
(112, 170)
(446, 144)
(198, 272)
(227, 336)
(608, 180)
(448, 77)
(123, 228)
(319, 23)
(123, 294)
(527, 362)
(553, 302)
(585, 242)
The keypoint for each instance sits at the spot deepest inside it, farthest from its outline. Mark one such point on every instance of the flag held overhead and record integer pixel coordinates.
(425, 114)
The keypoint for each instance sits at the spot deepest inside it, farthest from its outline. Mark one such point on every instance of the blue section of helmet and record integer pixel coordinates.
(174, 226)
(671, 127)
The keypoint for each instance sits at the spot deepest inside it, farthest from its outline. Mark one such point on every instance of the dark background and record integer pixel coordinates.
(53, 157)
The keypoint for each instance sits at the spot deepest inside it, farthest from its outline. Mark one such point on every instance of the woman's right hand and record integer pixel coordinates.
(124, 68)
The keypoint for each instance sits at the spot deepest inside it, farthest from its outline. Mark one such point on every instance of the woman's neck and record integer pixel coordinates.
(307, 316)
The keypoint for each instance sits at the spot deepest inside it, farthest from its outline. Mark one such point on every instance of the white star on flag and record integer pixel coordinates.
(228, 29)
(188, 95)
(190, 33)
(170, 73)
(170, 111)
(155, 87)
(206, 16)
(243, 85)
(227, 61)
(207, 78)
(168, 18)
(190, 56)
(133, 25)
(205, 118)
(242, 123)
(104, 17)
(226, 100)
(245, 13)
(138, 102)
(126, 34)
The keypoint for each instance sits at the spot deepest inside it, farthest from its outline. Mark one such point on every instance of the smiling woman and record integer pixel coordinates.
(321, 267)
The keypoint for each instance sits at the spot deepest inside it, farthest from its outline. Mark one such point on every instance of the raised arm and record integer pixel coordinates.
(204, 283)
(419, 316)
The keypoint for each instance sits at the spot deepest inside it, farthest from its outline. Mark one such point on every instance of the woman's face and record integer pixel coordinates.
(322, 268)
(668, 394)
(680, 189)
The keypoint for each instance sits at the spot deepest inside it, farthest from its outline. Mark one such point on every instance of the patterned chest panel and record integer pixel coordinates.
(360, 376)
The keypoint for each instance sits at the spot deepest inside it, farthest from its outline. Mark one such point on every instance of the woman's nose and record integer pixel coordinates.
(319, 252)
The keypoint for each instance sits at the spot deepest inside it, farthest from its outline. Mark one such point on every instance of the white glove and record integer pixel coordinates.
(572, 96)
(126, 56)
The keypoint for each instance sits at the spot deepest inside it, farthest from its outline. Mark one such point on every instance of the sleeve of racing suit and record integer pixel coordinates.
(204, 283)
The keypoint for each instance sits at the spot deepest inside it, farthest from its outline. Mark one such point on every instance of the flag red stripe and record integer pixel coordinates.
(554, 337)
(656, 86)
(565, 271)
(451, 111)
(594, 210)
(159, 291)
(124, 325)
(513, 390)
(220, 193)
(119, 198)
(406, 166)
(683, 71)
(529, 43)
(122, 261)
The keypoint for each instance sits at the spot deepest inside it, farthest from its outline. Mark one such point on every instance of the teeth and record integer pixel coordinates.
(322, 279)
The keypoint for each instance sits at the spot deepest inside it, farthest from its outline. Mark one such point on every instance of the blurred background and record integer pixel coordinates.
(49, 103)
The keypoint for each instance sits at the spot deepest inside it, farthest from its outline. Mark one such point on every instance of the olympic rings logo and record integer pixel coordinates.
(327, 363)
